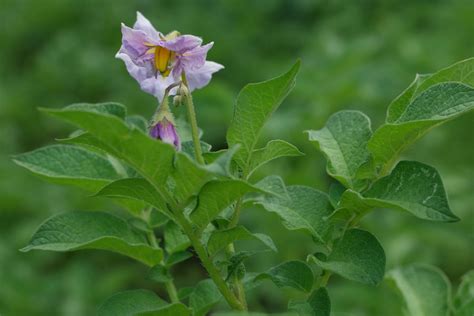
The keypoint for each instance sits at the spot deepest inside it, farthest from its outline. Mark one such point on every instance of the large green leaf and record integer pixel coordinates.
(412, 186)
(175, 239)
(295, 274)
(317, 304)
(215, 196)
(93, 230)
(358, 256)
(135, 189)
(434, 106)
(67, 164)
(254, 106)
(204, 296)
(152, 158)
(425, 289)
(464, 298)
(175, 309)
(219, 239)
(343, 141)
(273, 150)
(460, 72)
(130, 303)
(306, 209)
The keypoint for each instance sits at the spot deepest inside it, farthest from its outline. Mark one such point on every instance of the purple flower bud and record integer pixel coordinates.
(165, 131)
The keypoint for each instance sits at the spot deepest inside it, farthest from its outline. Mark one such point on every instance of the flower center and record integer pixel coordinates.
(163, 60)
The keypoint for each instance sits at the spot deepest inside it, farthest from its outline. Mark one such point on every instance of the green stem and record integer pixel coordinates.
(193, 121)
(208, 265)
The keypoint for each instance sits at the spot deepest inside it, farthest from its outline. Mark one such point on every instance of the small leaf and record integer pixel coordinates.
(219, 239)
(67, 164)
(343, 141)
(317, 304)
(93, 230)
(295, 274)
(436, 105)
(204, 297)
(177, 257)
(413, 187)
(425, 289)
(176, 309)
(254, 106)
(358, 256)
(175, 239)
(159, 274)
(130, 303)
(215, 196)
(306, 210)
(273, 150)
(136, 189)
(235, 264)
(464, 298)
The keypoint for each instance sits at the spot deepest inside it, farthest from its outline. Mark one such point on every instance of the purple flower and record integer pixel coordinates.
(156, 61)
(165, 131)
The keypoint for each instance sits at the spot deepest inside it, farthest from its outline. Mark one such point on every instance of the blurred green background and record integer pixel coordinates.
(356, 55)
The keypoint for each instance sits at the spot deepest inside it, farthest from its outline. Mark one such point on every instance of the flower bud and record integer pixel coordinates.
(165, 131)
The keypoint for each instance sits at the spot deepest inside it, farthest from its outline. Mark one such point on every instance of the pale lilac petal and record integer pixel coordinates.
(182, 43)
(200, 77)
(143, 24)
(195, 58)
(133, 42)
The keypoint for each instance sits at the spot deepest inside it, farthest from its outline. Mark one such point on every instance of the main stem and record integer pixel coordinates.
(193, 121)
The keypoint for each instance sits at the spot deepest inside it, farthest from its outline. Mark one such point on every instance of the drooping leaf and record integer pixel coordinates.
(151, 158)
(358, 256)
(464, 298)
(136, 189)
(425, 289)
(343, 141)
(434, 106)
(317, 304)
(204, 296)
(177, 257)
(215, 196)
(130, 303)
(175, 309)
(93, 230)
(254, 106)
(175, 239)
(412, 186)
(67, 164)
(219, 239)
(295, 274)
(306, 210)
(273, 150)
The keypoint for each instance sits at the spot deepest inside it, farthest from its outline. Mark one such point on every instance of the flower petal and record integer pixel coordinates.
(133, 42)
(200, 77)
(143, 24)
(182, 43)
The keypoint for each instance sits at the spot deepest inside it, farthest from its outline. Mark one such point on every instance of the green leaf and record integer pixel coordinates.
(436, 105)
(358, 256)
(306, 210)
(317, 304)
(413, 187)
(219, 239)
(159, 274)
(135, 189)
(343, 141)
(176, 309)
(254, 106)
(295, 274)
(175, 239)
(152, 158)
(235, 264)
(464, 298)
(204, 297)
(273, 150)
(215, 196)
(461, 72)
(425, 289)
(72, 165)
(129, 303)
(177, 257)
(138, 121)
(93, 230)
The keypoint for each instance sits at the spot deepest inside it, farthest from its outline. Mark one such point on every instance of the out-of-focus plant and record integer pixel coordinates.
(194, 196)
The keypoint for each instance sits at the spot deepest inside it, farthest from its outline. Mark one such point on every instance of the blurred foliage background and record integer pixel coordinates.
(356, 55)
